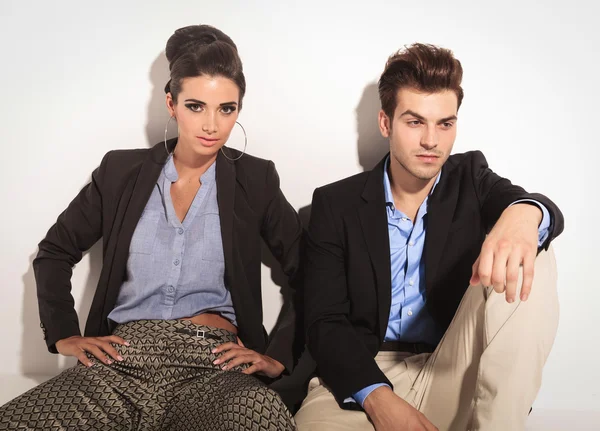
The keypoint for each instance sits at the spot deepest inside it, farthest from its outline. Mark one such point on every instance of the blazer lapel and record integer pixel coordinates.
(440, 211)
(373, 220)
(226, 177)
(139, 191)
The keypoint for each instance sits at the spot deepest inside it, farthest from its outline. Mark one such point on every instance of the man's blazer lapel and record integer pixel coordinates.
(373, 220)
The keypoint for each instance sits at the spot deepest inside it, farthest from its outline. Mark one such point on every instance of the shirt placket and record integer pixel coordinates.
(413, 256)
(405, 311)
(177, 250)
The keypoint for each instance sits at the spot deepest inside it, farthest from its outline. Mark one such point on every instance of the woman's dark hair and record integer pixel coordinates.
(198, 50)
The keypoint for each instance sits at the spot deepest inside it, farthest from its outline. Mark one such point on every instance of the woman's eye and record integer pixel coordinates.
(195, 107)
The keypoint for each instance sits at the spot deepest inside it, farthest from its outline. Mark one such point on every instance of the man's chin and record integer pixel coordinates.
(426, 175)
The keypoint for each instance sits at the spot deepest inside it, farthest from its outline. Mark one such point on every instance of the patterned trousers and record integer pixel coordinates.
(167, 381)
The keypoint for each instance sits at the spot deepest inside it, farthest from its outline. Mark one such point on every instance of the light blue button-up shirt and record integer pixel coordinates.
(409, 320)
(176, 269)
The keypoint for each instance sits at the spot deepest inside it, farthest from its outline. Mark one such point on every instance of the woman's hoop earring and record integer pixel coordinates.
(166, 130)
(245, 145)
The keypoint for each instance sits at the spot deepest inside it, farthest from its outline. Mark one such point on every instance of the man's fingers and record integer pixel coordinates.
(528, 272)
(429, 426)
(426, 423)
(499, 267)
(512, 275)
(475, 280)
(486, 261)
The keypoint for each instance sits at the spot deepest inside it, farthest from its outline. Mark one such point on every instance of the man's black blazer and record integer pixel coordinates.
(347, 272)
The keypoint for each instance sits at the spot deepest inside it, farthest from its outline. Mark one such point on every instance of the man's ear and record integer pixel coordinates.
(385, 124)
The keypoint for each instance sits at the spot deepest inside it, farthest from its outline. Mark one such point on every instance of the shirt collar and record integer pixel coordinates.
(171, 172)
(389, 197)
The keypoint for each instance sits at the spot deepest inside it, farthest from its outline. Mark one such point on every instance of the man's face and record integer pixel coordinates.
(422, 131)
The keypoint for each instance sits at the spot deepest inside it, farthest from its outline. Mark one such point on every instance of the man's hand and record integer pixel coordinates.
(100, 347)
(236, 354)
(512, 243)
(390, 412)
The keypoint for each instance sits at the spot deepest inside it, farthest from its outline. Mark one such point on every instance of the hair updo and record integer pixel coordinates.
(198, 50)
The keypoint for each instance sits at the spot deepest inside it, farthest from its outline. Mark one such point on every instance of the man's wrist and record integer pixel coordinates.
(531, 210)
(375, 398)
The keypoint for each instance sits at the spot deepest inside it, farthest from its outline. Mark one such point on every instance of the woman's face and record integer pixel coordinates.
(206, 111)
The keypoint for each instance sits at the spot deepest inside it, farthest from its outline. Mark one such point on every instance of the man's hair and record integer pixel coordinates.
(421, 67)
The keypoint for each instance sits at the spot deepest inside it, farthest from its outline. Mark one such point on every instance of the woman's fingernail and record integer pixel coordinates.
(224, 367)
(214, 350)
(524, 297)
(127, 343)
(217, 361)
(120, 358)
(90, 364)
(108, 361)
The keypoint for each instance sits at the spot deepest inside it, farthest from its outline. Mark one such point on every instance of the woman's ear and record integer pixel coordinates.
(170, 104)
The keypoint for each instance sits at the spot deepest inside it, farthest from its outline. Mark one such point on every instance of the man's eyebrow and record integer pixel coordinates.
(412, 113)
(450, 118)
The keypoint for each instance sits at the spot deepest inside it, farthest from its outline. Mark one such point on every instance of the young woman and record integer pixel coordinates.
(174, 338)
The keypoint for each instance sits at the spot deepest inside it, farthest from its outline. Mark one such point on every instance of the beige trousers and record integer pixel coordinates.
(484, 374)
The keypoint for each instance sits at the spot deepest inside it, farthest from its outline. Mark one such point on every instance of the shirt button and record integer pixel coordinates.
(170, 289)
(180, 231)
(176, 262)
(404, 219)
(409, 312)
(411, 283)
(411, 243)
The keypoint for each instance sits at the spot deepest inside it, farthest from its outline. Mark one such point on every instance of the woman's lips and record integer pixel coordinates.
(207, 142)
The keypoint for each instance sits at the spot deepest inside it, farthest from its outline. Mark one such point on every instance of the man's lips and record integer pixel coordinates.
(428, 157)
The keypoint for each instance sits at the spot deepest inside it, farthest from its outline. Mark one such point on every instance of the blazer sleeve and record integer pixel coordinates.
(343, 360)
(282, 232)
(76, 230)
(495, 194)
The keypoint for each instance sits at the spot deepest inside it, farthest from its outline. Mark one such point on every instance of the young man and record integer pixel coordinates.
(422, 312)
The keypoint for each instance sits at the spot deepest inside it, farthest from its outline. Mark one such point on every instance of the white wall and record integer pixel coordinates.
(81, 78)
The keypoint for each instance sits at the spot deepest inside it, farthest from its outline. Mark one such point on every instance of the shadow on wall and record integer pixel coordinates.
(36, 362)
(370, 145)
(371, 148)
(158, 115)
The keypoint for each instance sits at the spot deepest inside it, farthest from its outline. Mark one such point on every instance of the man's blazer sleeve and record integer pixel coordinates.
(495, 194)
(343, 360)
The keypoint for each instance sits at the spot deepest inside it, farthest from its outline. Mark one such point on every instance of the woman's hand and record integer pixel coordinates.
(238, 355)
(98, 346)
